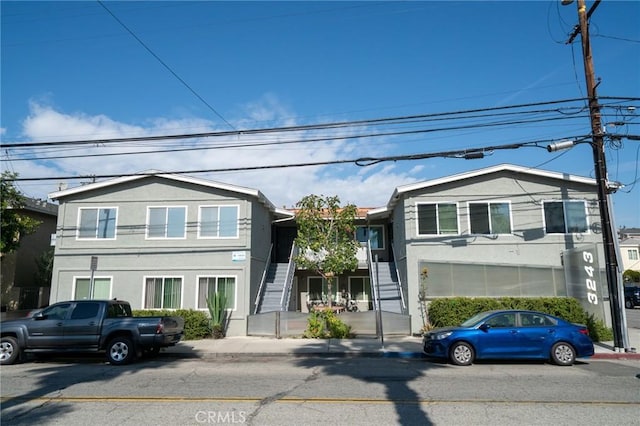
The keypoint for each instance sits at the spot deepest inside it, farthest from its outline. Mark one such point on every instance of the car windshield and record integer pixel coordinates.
(475, 319)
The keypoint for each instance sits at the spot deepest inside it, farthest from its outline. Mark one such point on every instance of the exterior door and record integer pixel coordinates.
(284, 241)
(45, 330)
(82, 329)
(501, 339)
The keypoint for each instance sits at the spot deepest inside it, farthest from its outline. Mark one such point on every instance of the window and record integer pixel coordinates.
(85, 311)
(207, 286)
(101, 288)
(436, 219)
(535, 320)
(57, 312)
(374, 234)
(360, 288)
(490, 218)
(97, 223)
(218, 222)
(118, 310)
(633, 254)
(502, 320)
(565, 217)
(166, 222)
(162, 293)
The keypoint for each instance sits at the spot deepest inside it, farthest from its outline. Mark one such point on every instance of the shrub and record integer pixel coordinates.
(196, 323)
(325, 324)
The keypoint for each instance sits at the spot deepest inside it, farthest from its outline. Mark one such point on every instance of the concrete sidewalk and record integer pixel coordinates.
(392, 346)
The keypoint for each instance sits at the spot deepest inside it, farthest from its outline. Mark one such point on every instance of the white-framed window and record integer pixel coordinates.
(565, 217)
(437, 218)
(359, 288)
(166, 222)
(373, 233)
(97, 223)
(162, 292)
(633, 254)
(490, 217)
(208, 285)
(218, 222)
(82, 288)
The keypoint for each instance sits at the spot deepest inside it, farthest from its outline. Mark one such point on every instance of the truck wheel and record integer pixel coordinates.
(628, 304)
(120, 351)
(9, 350)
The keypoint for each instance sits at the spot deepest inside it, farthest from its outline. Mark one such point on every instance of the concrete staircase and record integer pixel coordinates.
(273, 287)
(390, 299)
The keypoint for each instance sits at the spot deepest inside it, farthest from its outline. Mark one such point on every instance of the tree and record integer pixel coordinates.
(326, 237)
(631, 276)
(13, 224)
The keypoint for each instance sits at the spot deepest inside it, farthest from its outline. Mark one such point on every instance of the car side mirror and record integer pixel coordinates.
(485, 327)
(38, 316)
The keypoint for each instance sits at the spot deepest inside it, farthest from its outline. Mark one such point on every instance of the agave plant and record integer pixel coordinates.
(217, 304)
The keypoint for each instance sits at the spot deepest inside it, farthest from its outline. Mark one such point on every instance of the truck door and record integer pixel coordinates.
(82, 329)
(45, 328)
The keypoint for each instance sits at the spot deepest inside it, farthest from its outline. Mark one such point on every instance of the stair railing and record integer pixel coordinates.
(400, 288)
(372, 277)
(262, 281)
(288, 284)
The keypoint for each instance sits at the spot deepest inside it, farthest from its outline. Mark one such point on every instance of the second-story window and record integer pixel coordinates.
(490, 218)
(437, 218)
(565, 217)
(373, 234)
(166, 222)
(218, 222)
(97, 223)
(633, 254)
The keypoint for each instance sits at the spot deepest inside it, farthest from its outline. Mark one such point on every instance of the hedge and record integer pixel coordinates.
(196, 323)
(453, 311)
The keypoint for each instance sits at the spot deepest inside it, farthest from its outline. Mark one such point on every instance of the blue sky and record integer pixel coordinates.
(86, 70)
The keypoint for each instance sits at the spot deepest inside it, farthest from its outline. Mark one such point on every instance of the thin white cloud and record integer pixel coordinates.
(368, 186)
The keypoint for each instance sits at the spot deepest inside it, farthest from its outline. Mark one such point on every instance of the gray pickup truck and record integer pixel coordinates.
(88, 326)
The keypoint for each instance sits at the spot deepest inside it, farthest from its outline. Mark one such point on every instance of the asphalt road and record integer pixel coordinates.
(310, 391)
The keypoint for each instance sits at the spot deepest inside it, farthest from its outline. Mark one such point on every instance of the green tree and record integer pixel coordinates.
(326, 237)
(631, 276)
(13, 224)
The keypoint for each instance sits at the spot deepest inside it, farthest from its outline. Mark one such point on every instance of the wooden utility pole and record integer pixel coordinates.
(601, 179)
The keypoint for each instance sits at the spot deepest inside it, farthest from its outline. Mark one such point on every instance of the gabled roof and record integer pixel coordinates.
(174, 177)
(401, 190)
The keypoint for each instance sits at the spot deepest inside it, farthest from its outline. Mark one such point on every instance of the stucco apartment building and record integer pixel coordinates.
(167, 241)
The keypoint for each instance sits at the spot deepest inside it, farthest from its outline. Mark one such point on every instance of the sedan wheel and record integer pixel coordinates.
(563, 353)
(461, 354)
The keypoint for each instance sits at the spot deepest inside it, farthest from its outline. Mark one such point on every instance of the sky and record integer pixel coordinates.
(419, 78)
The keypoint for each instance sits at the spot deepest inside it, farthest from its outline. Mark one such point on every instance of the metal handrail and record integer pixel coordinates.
(404, 306)
(262, 281)
(288, 284)
(372, 277)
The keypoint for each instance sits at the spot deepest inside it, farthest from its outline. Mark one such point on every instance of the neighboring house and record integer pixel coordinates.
(624, 233)
(630, 254)
(166, 241)
(22, 288)
(163, 241)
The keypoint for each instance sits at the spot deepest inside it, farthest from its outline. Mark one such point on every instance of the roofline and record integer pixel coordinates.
(175, 177)
(485, 171)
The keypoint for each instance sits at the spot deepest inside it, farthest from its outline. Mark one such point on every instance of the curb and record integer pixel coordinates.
(355, 354)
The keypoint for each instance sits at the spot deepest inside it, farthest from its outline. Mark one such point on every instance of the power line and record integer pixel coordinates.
(324, 126)
(362, 161)
(164, 64)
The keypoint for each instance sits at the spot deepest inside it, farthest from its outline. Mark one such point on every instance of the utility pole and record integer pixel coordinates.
(600, 165)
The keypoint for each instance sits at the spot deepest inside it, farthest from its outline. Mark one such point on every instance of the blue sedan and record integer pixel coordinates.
(510, 334)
